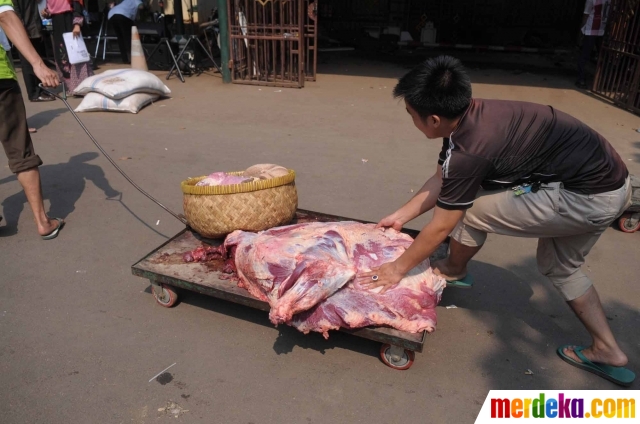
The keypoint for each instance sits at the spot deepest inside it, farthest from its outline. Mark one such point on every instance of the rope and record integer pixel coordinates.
(179, 217)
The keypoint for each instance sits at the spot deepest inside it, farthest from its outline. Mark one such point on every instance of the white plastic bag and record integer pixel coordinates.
(76, 49)
(120, 83)
(95, 102)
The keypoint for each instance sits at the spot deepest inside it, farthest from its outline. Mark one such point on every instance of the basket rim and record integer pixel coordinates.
(188, 186)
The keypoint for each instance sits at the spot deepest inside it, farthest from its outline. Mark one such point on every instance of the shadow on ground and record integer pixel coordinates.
(523, 329)
(288, 337)
(527, 329)
(44, 118)
(63, 185)
(517, 69)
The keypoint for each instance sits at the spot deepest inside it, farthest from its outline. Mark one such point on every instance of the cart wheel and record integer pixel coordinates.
(628, 224)
(396, 357)
(167, 298)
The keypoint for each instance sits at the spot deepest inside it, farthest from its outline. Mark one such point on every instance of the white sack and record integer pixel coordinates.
(120, 83)
(95, 102)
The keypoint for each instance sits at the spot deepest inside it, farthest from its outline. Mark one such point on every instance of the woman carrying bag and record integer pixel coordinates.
(67, 16)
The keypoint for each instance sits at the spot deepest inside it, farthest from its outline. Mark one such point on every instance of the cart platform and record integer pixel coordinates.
(166, 270)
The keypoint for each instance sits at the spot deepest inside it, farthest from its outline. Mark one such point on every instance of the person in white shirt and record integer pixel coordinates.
(594, 22)
(121, 19)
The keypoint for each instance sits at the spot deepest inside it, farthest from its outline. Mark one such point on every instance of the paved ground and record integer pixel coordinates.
(80, 337)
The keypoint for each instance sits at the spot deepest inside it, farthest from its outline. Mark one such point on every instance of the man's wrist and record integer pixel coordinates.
(402, 217)
(38, 63)
(401, 267)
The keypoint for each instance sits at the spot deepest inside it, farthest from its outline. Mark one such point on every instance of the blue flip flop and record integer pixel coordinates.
(53, 234)
(618, 375)
(465, 283)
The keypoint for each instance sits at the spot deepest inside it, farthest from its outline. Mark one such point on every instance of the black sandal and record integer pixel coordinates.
(53, 234)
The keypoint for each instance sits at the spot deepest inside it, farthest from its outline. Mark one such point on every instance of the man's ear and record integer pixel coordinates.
(435, 121)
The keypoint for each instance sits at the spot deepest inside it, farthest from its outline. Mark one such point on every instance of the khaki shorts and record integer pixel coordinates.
(567, 225)
(14, 132)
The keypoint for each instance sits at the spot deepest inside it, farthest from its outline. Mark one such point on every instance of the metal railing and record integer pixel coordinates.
(618, 71)
(269, 40)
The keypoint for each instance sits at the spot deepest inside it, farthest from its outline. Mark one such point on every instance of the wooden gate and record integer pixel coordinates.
(618, 71)
(272, 42)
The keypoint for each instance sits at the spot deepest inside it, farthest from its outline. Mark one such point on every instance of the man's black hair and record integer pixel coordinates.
(438, 86)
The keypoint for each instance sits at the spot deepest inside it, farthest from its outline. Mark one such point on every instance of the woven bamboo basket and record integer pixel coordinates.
(215, 211)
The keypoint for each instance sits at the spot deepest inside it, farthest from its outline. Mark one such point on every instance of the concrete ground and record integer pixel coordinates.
(80, 337)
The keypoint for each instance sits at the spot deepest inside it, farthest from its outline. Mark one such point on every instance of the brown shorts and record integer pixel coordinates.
(14, 132)
(567, 225)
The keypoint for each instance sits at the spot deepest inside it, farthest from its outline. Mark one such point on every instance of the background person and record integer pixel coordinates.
(67, 16)
(594, 21)
(14, 133)
(121, 18)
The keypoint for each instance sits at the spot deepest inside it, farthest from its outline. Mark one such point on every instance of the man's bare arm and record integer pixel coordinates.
(12, 26)
(423, 201)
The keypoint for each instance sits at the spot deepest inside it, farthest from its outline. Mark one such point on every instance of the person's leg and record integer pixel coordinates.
(117, 25)
(30, 182)
(127, 24)
(560, 259)
(598, 45)
(531, 215)
(499, 212)
(30, 80)
(454, 266)
(62, 23)
(39, 46)
(604, 348)
(587, 46)
(14, 135)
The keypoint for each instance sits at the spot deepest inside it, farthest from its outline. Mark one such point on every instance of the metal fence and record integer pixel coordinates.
(272, 42)
(618, 71)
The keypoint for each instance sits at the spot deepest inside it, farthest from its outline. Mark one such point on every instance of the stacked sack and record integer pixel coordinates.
(120, 90)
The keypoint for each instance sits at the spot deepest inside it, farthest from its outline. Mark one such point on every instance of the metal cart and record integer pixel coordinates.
(166, 270)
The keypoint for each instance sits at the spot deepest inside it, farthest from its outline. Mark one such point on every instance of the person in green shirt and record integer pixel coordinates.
(14, 132)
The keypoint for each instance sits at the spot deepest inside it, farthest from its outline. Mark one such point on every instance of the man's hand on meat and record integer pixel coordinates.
(386, 276)
(392, 221)
(423, 201)
(424, 245)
